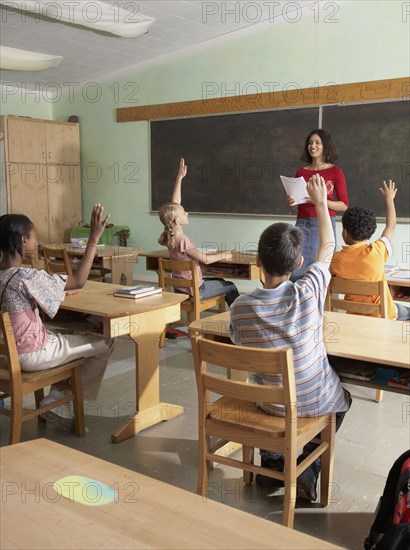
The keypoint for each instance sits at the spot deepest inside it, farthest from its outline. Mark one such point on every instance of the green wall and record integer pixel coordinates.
(21, 102)
(362, 41)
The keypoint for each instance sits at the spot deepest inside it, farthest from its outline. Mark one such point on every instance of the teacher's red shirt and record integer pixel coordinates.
(333, 175)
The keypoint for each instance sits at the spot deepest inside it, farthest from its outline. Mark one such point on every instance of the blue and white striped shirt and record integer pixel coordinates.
(291, 315)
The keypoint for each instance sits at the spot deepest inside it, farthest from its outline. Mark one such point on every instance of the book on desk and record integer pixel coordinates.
(139, 291)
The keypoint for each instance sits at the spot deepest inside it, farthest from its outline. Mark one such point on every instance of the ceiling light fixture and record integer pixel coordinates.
(22, 60)
(98, 16)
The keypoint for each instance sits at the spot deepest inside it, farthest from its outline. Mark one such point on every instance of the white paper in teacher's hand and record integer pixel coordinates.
(296, 188)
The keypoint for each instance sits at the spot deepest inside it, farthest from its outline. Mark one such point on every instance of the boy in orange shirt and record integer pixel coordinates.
(365, 262)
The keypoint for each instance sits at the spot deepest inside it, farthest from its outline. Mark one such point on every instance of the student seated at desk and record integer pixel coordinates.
(181, 248)
(290, 314)
(24, 290)
(365, 262)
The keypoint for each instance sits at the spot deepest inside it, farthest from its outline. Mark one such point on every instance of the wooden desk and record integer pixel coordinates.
(397, 285)
(145, 514)
(378, 341)
(118, 259)
(143, 320)
(242, 266)
(396, 281)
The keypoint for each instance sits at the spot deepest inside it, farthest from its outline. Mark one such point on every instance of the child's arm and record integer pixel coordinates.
(389, 192)
(182, 171)
(97, 226)
(316, 188)
(207, 259)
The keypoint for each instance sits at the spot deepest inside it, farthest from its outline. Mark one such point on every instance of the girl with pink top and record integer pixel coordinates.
(181, 248)
(24, 290)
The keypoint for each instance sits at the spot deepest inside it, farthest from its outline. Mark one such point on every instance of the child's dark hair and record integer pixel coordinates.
(359, 222)
(12, 228)
(329, 148)
(279, 248)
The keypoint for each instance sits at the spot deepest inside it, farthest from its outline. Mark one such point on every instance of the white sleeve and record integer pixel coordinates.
(388, 245)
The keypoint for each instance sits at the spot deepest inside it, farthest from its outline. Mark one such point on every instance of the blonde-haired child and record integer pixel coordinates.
(181, 248)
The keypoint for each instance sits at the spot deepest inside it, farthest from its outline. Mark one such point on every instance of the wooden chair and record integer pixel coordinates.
(57, 260)
(234, 417)
(16, 384)
(31, 262)
(195, 304)
(364, 288)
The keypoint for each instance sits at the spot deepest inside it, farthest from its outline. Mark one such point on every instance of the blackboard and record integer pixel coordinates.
(373, 142)
(234, 161)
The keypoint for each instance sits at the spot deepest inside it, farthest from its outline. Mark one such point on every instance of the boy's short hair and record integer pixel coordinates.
(359, 222)
(279, 248)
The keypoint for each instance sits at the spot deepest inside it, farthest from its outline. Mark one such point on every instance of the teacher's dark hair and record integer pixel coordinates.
(13, 227)
(329, 148)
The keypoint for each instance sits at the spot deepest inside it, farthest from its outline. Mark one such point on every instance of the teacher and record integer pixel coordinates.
(320, 152)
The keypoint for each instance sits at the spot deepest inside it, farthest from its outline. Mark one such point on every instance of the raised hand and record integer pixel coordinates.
(388, 190)
(317, 191)
(182, 170)
(97, 223)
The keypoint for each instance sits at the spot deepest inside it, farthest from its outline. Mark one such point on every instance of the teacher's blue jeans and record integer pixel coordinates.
(310, 245)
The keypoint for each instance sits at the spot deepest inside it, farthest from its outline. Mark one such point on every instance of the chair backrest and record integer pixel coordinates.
(167, 278)
(245, 359)
(56, 260)
(31, 262)
(357, 289)
(8, 350)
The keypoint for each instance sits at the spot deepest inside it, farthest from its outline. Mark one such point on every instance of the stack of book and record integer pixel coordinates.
(138, 291)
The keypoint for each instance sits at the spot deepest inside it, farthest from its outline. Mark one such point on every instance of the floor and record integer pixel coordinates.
(370, 439)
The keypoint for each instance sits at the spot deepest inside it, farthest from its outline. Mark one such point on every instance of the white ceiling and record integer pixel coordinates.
(93, 56)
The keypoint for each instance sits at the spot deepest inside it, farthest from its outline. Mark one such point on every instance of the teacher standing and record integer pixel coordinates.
(320, 152)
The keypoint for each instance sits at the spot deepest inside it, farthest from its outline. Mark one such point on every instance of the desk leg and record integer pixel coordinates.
(150, 410)
(121, 270)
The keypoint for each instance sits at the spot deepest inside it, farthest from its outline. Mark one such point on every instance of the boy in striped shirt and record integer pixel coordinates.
(290, 314)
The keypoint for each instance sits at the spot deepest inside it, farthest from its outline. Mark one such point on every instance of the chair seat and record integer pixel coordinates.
(231, 412)
(37, 376)
(16, 384)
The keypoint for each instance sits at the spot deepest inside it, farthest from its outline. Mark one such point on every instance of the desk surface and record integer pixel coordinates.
(146, 514)
(358, 337)
(97, 299)
(237, 257)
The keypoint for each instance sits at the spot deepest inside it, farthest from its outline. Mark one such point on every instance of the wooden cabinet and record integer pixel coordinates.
(43, 175)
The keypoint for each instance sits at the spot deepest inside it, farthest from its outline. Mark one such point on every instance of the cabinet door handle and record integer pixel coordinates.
(44, 155)
(49, 154)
